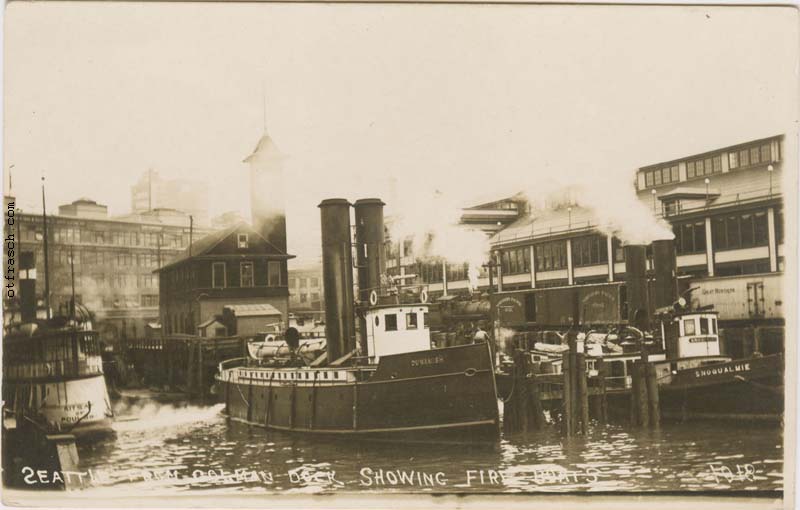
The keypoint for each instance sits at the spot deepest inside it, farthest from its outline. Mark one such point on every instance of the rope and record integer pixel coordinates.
(241, 394)
(511, 393)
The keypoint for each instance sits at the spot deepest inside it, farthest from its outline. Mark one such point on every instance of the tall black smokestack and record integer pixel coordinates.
(636, 285)
(666, 288)
(27, 287)
(267, 192)
(337, 276)
(370, 256)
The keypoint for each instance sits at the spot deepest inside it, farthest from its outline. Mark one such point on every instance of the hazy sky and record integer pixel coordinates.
(393, 101)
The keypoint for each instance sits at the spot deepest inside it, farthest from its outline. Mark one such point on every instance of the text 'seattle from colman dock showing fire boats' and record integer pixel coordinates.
(259, 252)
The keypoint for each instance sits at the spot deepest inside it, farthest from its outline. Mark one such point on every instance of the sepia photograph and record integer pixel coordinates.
(399, 255)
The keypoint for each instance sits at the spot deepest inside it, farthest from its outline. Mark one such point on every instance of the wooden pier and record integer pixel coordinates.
(183, 362)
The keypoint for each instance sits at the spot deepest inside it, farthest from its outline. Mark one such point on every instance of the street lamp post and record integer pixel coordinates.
(569, 218)
(707, 181)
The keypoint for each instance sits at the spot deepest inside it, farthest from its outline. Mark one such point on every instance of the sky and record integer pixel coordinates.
(426, 106)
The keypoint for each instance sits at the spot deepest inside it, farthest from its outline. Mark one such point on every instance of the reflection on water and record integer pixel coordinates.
(171, 448)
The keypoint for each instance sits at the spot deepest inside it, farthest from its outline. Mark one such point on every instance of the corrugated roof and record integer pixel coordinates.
(253, 310)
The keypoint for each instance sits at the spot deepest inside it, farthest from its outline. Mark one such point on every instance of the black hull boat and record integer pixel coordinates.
(385, 381)
(439, 395)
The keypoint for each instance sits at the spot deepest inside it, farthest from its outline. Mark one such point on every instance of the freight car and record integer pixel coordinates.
(561, 307)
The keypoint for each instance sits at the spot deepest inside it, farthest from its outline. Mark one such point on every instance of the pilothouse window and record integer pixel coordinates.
(411, 320)
(688, 327)
(704, 325)
(391, 322)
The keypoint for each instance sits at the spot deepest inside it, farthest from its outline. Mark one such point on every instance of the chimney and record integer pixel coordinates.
(636, 285)
(267, 192)
(27, 287)
(337, 277)
(370, 256)
(664, 266)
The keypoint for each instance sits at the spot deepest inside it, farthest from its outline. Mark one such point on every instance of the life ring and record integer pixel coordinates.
(423, 296)
(373, 298)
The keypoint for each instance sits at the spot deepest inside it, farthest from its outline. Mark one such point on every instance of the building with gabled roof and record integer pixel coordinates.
(231, 267)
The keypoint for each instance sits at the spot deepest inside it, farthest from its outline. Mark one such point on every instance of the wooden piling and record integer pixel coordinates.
(583, 391)
(642, 409)
(535, 394)
(575, 370)
(652, 395)
(521, 383)
(602, 372)
(566, 400)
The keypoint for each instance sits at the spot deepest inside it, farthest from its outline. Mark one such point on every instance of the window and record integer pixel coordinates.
(274, 273)
(705, 166)
(411, 320)
(425, 320)
(690, 237)
(314, 282)
(314, 296)
(292, 282)
(246, 274)
(659, 176)
(590, 250)
(779, 226)
(515, 261)
(740, 231)
(688, 327)
(704, 325)
(242, 241)
(551, 256)
(303, 297)
(304, 282)
(391, 322)
(218, 277)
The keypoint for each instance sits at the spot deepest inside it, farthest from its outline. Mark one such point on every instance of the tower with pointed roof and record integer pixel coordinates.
(267, 192)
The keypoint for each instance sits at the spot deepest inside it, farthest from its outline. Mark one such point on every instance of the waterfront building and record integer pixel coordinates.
(306, 294)
(230, 267)
(112, 261)
(724, 206)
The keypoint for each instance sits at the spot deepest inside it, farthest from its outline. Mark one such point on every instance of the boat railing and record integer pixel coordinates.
(232, 363)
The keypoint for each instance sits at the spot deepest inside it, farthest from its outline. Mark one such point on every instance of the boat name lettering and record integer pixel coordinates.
(433, 360)
(701, 339)
(705, 372)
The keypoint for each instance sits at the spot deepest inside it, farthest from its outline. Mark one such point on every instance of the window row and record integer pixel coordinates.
(219, 274)
(304, 283)
(755, 155)
(589, 251)
(701, 167)
(515, 260)
(70, 235)
(690, 237)
(731, 232)
(659, 176)
(390, 321)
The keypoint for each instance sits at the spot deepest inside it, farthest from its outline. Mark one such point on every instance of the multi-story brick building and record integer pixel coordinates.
(112, 261)
(306, 295)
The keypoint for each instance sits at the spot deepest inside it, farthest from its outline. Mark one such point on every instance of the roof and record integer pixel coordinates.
(205, 244)
(209, 322)
(264, 145)
(545, 222)
(253, 310)
(686, 192)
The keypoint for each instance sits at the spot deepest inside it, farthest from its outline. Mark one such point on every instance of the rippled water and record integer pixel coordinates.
(169, 449)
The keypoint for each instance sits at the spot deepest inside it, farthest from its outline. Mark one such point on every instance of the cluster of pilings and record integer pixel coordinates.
(644, 401)
(574, 397)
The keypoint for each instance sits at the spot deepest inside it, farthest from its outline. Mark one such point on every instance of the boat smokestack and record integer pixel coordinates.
(664, 264)
(370, 252)
(636, 285)
(337, 277)
(27, 287)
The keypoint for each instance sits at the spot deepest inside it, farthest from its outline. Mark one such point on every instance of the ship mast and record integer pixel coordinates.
(46, 266)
